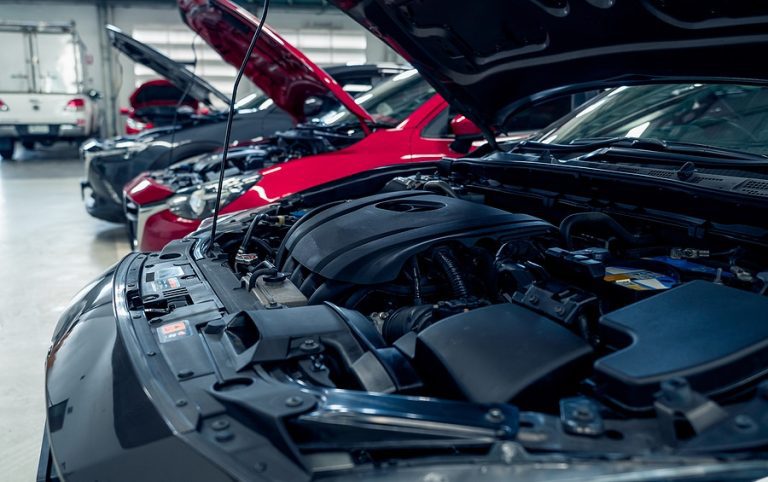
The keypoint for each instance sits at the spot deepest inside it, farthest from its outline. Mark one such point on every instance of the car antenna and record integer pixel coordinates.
(230, 118)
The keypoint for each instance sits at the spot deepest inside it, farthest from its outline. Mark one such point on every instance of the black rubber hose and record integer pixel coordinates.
(444, 258)
(259, 272)
(416, 274)
(578, 219)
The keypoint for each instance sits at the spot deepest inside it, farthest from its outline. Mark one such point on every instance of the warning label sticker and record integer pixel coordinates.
(174, 331)
(638, 279)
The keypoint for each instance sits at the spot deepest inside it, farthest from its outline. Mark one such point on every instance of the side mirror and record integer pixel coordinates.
(465, 131)
(460, 126)
(313, 106)
(94, 94)
(126, 111)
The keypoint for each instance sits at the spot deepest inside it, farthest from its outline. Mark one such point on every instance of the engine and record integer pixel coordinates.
(429, 294)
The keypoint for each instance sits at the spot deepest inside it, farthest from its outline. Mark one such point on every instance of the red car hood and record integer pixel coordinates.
(156, 92)
(279, 69)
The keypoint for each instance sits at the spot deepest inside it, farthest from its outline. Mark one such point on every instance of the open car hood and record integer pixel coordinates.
(285, 74)
(174, 71)
(492, 58)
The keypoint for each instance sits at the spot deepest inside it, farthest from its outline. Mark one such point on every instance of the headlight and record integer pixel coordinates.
(198, 203)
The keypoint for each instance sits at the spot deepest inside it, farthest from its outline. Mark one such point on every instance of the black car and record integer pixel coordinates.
(111, 163)
(589, 304)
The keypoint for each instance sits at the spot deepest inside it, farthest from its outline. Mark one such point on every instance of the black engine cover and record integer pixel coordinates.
(367, 241)
(714, 336)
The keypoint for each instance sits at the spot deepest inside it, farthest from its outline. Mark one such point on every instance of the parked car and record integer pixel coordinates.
(158, 102)
(45, 91)
(586, 305)
(110, 164)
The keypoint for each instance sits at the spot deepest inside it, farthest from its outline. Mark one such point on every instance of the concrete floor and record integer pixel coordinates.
(49, 249)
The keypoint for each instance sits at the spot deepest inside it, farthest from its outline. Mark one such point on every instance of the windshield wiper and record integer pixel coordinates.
(629, 149)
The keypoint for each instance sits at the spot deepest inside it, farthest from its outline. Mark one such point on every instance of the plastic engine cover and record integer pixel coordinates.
(367, 241)
(714, 336)
(501, 353)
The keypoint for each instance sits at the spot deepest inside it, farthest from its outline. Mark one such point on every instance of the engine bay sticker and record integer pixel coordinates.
(167, 284)
(174, 331)
(638, 279)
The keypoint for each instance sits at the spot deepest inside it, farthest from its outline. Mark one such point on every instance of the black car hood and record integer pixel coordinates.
(174, 71)
(492, 58)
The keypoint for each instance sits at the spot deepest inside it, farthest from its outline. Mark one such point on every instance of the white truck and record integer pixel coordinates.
(45, 93)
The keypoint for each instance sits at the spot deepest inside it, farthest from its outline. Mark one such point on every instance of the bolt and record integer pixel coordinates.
(219, 425)
(533, 299)
(293, 401)
(186, 373)
(260, 467)
(583, 413)
(559, 310)
(181, 402)
(224, 436)
(309, 345)
(495, 415)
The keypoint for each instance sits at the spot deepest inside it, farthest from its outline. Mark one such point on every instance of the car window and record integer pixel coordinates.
(389, 103)
(729, 116)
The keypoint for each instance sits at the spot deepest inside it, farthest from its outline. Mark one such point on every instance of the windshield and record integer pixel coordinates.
(726, 116)
(389, 103)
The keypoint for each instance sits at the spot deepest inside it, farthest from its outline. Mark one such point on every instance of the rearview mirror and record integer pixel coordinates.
(94, 94)
(460, 126)
(464, 131)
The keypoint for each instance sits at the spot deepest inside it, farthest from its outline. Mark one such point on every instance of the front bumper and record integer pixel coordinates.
(151, 227)
(98, 191)
(101, 424)
(100, 207)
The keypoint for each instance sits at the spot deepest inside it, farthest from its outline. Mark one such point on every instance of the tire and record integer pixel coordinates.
(6, 154)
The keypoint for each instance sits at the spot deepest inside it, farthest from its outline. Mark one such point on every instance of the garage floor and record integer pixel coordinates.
(49, 249)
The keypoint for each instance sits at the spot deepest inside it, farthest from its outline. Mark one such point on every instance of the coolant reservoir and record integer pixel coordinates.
(272, 290)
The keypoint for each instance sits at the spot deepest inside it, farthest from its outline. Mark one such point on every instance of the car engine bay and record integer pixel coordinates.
(304, 140)
(599, 328)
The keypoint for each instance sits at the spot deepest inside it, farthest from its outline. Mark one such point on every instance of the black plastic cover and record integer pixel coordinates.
(714, 336)
(368, 240)
(501, 353)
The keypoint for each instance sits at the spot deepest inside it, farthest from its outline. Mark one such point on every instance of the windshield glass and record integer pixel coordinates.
(727, 116)
(389, 103)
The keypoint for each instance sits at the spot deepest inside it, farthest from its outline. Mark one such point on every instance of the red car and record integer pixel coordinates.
(399, 121)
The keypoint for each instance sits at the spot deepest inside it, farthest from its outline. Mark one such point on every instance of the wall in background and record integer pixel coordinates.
(114, 74)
